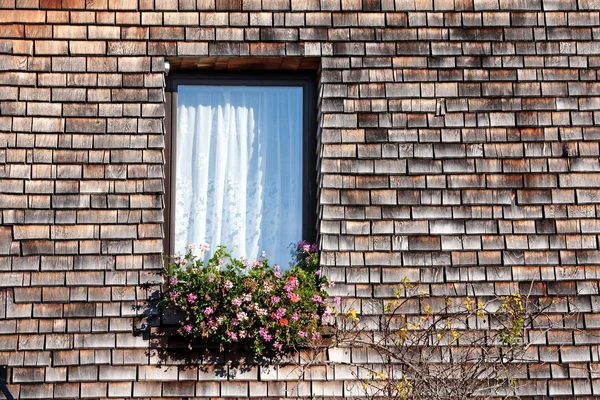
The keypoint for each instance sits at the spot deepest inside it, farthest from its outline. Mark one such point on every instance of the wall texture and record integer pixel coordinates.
(459, 146)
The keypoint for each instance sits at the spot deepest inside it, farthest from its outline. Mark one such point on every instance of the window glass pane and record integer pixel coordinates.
(239, 169)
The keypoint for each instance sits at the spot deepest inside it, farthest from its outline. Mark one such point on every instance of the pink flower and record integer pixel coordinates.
(264, 333)
(242, 316)
(279, 313)
(314, 316)
(246, 297)
(267, 287)
(277, 274)
(290, 284)
(278, 346)
(242, 334)
(295, 317)
(318, 272)
(192, 298)
(331, 284)
(232, 335)
(337, 300)
(208, 311)
(315, 336)
(222, 261)
(187, 328)
(302, 334)
(211, 279)
(261, 311)
(317, 299)
(228, 284)
(181, 261)
(276, 268)
(237, 301)
(202, 246)
(235, 321)
(173, 281)
(275, 299)
(213, 325)
(306, 248)
(174, 295)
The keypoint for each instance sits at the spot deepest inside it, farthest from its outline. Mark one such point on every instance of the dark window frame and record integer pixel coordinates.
(306, 80)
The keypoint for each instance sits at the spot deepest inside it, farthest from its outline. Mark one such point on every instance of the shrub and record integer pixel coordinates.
(245, 302)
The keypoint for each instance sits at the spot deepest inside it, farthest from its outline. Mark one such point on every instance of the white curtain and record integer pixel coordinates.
(239, 169)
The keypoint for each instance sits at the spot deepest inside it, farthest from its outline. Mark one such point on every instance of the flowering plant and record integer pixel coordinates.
(237, 300)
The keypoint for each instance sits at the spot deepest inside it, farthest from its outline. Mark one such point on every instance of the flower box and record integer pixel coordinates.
(229, 302)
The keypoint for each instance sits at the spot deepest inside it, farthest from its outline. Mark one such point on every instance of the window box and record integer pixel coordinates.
(229, 302)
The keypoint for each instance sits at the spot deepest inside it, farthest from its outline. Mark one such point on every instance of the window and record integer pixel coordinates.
(241, 168)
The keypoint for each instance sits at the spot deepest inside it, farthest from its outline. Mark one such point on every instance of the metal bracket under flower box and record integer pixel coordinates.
(3, 380)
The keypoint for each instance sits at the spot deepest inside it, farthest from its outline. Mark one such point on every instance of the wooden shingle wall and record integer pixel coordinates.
(459, 147)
